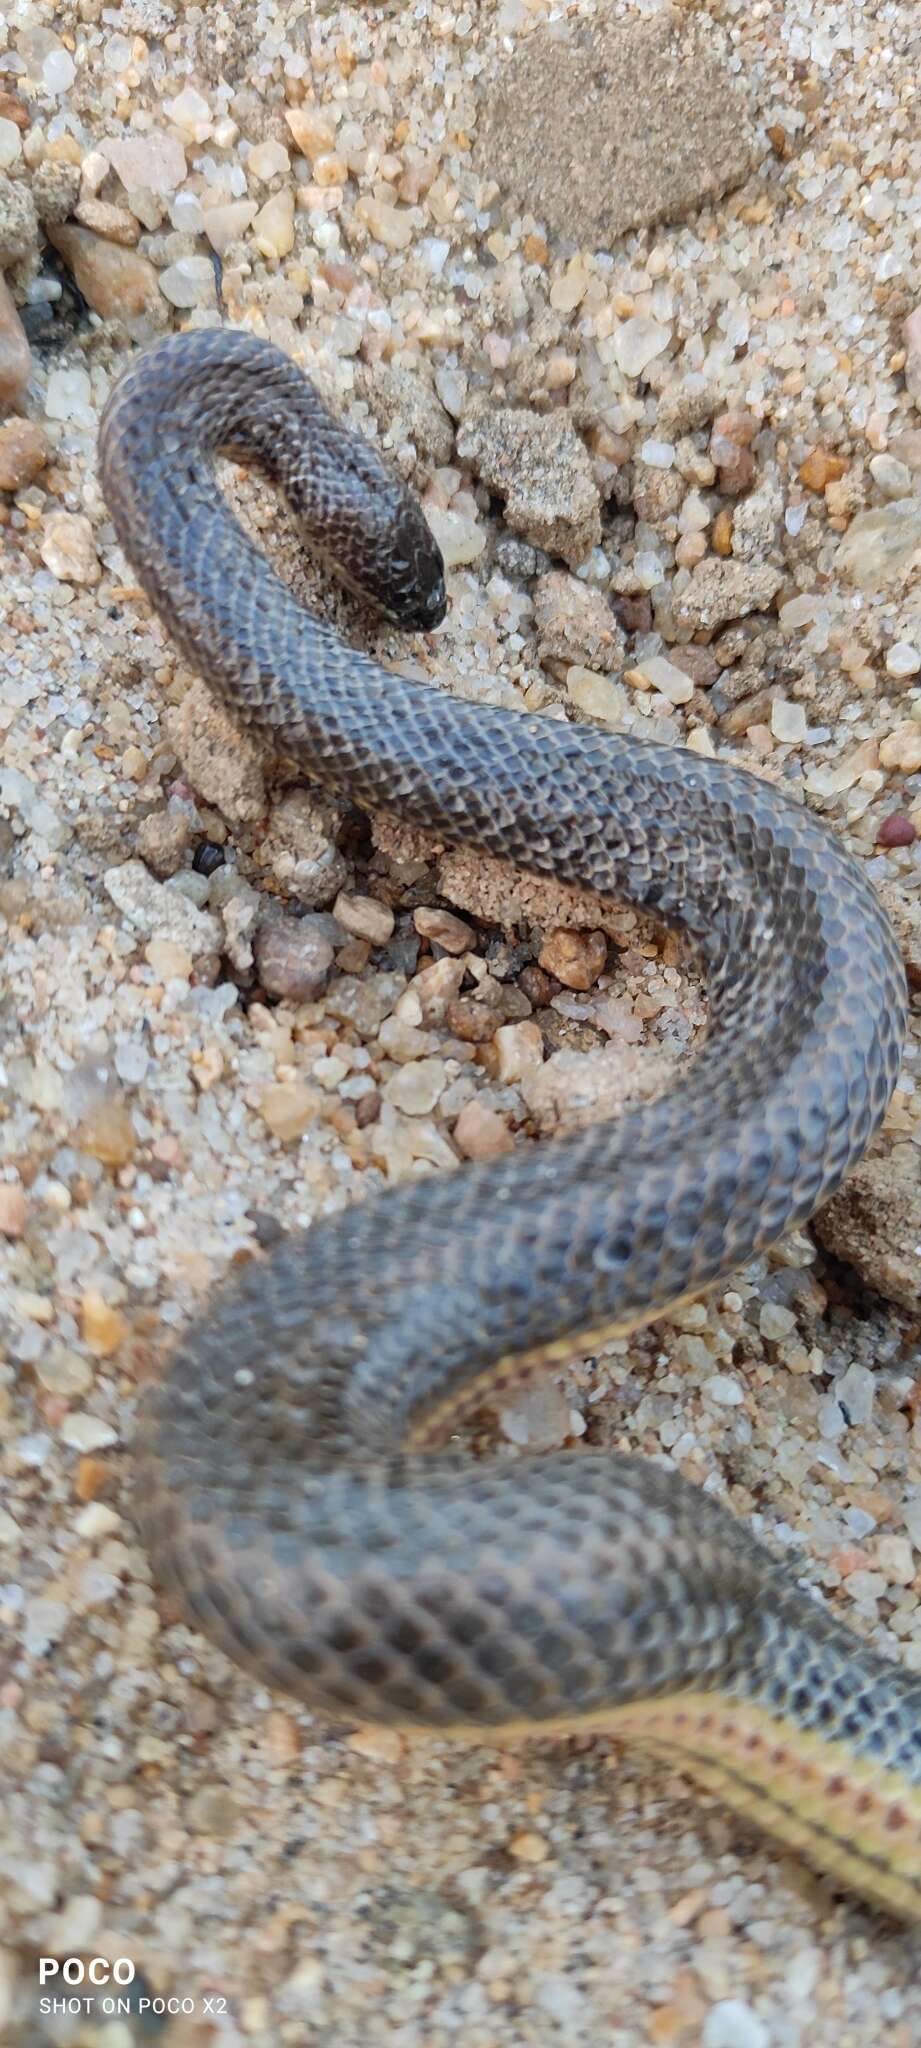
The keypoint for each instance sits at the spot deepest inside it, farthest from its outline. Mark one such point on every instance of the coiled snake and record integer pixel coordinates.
(291, 1483)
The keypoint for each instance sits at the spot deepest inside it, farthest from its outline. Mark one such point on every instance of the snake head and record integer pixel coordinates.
(415, 594)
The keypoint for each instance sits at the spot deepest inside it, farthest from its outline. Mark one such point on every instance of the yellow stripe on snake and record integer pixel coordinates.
(290, 1483)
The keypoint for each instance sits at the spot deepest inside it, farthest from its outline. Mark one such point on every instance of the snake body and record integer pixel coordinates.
(295, 1485)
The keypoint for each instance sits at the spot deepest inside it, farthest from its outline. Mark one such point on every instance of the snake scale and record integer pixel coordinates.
(296, 1485)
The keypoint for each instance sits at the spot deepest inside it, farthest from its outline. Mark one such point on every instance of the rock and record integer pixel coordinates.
(188, 282)
(541, 468)
(15, 357)
(162, 839)
(637, 342)
(102, 1327)
(442, 928)
(293, 959)
(575, 624)
(114, 223)
(154, 162)
(10, 142)
(897, 830)
(68, 548)
(365, 917)
(118, 283)
(873, 1223)
(222, 761)
(228, 223)
(461, 539)
(520, 1050)
(733, 2024)
(598, 697)
(313, 131)
(267, 160)
(480, 1133)
(300, 847)
(55, 190)
(426, 999)
(903, 660)
(391, 225)
(602, 127)
(273, 227)
(24, 451)
(415, 1089)
(408, 409)
(156, 909)
(821, 467)
(575, 1089)
(288, 1108)
(18, 221)
(575, 958)
(901, 749)
(718, 591)
(14, 1209)
(658, 673)
(882, 547)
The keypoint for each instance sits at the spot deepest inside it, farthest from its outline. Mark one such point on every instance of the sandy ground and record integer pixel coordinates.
(168, 1100)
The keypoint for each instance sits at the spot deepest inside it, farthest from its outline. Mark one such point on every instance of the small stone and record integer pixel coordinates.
(107, 1132)
(776, 1322)
(821, 468)
(112, 223)
(472, 1021)
(300, 847)
(273, 227)
(169, 960)
(267, 160)
(442, 928)
(575, 624)
(14, 1210)
(158, 909)
(901, 749)
(102, 1327)
(415, 1089)
(480, 1133)
(718, 591)
(897, 830)
(600, 697)
(188, 282)
(430, 992)
(519, 1049)
(391, 225)
(732, 2024)
(18, 221)
(55, 190)
(228, 223)
(24, 451)
(15, 357)
(162, 840)
(87, 1433)
(788, 721)
(658, 673)
(154, 162)
(68, 548)
(881, 547)
(726, 1392)
(894, 1556)
(293, 959)
(461, 539)
(903, 660)
(637, 342)
(529, 1847)
(538, 464)
(576, 958)
(379, 1744)
(10, 142)
(313, 132)
(365, 916)
(289, 1108)
(191, 114)
(855, 1392)
(893, 477)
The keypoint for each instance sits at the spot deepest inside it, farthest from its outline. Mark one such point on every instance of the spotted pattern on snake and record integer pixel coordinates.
(295, 1485)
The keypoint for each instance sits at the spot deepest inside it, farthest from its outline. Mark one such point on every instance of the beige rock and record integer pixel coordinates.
(288, 1108)
(102, 1327)
(15, 356)
(24, 451)
(480, 1133)
(68, 548)
(365, 917)
(117, 282)
(576, 958)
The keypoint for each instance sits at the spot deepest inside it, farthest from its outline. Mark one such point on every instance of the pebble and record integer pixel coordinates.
(576, 958)
(442, 928)
(416, 1088)
(15, 357)
(821, 467)
(733, 2024)
(102, 1327)
(391, 225)
(600, 697)
(14, 1210)
(529, 1847)
(894, 1557)
(717, 591)
(157, 909)
(658, 673)
(365, 916)
(273, 227)
(87, 1433)
(881, 546)
(903, 660)
(575, 624)
(154, 162)
(301, 849)
(228, 223)
(10, 142)
(288, 1108)
(426, 999)
(897, 830)
(637, 342)
(189, 282)
(788, 721)
(538, 464)
(519, 1049)
(18, 221)
(901, 749)
(107, 1132)
(24, 451)
(726, 1392)
(293, 959)
(480, 1133)
(461, 539)
(68, 548)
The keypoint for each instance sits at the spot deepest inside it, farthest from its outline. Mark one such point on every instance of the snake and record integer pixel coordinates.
(301, 1489)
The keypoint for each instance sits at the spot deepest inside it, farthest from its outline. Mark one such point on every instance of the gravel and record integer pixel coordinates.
(690, 455)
